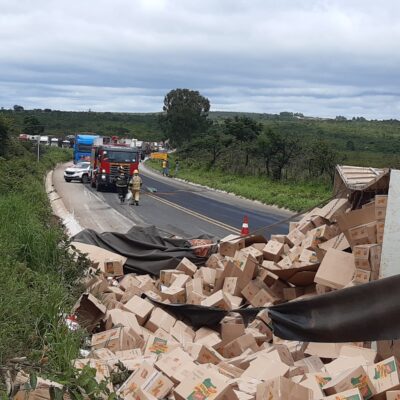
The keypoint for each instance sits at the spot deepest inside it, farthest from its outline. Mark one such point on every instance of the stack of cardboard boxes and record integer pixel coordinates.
(328, 249)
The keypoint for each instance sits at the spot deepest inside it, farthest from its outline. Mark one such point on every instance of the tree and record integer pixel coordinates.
(264, 149)
(32, 126)
(350, 145)
(18, 108)
(323, 159)
(185, 114)
(215, 141)
(284, 149)
(4, 136)
(245, 130)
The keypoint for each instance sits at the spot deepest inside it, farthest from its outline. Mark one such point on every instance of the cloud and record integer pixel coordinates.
(319, 57)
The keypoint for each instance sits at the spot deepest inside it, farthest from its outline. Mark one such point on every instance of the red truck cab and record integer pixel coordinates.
(106, 160)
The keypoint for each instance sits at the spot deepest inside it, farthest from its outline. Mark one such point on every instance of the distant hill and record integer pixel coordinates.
(63, 123)
(362, 142)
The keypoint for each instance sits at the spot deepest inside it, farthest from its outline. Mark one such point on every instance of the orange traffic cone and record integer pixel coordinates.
(245, 226)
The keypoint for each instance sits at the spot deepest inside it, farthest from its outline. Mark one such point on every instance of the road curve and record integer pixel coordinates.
(173, 206)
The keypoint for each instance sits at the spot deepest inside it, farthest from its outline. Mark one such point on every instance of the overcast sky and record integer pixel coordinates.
(318, 57)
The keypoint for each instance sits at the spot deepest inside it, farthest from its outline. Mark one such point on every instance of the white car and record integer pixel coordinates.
(78, 172)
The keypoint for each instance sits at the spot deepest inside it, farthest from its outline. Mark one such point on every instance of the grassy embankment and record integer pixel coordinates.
(37, 274)
(291, 195)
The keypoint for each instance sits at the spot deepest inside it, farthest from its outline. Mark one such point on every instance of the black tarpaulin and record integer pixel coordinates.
(361, 313)
(147, 250)
(199, 316)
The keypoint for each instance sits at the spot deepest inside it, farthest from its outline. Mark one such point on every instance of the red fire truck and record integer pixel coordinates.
(106, 159)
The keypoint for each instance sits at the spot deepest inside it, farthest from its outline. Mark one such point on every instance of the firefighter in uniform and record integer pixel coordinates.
(136, 184)
(121, 182)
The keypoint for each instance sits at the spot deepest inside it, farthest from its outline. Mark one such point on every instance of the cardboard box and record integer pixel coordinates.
(336, 270)
(179, 280)
(253, 251)
(239, 345)
(187, 267)
(230, 244)
(217, 299)
(231, 286)
(170, 363)
(393, 395)
(184, 371)
(129, 281)
(214, 260)
(355, 378)
(334, 207)
(246, 268)
(208, 275)
(380, 226)
(375, 257)
(273, 251)
(160, 319)
(363, 234)
(263, 298)
(166, 275)
(362, 264)
(312, 383)
(381, 200)
(203, 383)
(140, 307)
(338, 242)
(147, 379)
(380, 212)
(355, 218)
(193, 297)
(295, 237)
(129, 293)
(252, 288)
(176, 295)
(282, 388)
(101, 367)
(231, 330)
(324, 350)
(123, 318)
(207, 355)
(89, 311)
(309, 257)
(265, 368)
(310, 242)
(352, 394)
(229, 370)
(114, 339)
(160, 342)
(182, 333)
(342, 364)
(385, 375)
(325, 232)
(112, 267)
(292, 292)
(361, 276)
(350, 350)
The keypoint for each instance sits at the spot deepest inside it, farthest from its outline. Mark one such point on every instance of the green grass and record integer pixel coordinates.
(294, 196)
(38, 278)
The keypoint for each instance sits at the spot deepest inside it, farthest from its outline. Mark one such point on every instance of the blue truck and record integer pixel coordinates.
(83, 146)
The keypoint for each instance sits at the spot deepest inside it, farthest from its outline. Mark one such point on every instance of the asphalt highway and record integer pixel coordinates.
(173, 206)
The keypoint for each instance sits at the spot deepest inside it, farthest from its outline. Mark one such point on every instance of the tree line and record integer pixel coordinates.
(241, 144)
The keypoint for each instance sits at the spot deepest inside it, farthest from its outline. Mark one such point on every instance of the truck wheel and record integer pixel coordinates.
(67, 180)
(85, 179)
